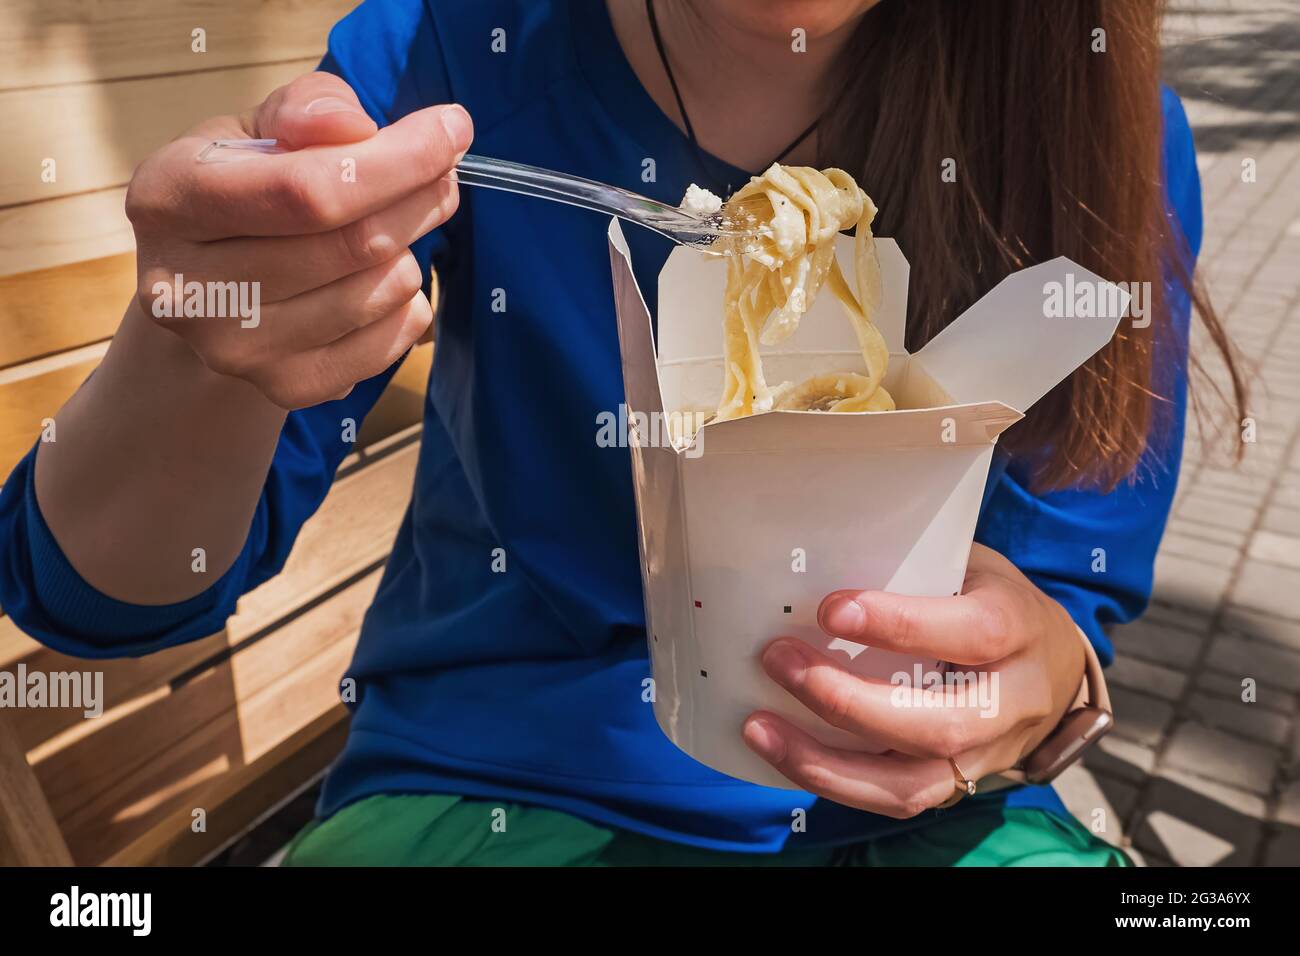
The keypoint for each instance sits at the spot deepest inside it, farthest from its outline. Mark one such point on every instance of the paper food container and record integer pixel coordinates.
(745, 529)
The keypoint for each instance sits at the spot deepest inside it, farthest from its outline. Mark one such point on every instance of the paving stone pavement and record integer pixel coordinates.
(1203, 768)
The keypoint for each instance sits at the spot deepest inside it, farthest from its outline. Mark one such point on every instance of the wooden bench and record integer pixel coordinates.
(233, 724)
(238, 723)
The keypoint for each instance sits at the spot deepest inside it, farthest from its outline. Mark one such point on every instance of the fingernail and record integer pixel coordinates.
(785, 662)
(841, 616)
(459, 127)
(330, 104)
(764, 739)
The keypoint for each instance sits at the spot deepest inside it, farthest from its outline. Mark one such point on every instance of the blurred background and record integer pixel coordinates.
(211, 753)
(1203, 768)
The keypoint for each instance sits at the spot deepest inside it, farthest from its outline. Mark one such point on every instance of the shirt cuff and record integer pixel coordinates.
(71, 616)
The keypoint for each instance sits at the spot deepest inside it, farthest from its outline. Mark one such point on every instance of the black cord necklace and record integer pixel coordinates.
(700, 155)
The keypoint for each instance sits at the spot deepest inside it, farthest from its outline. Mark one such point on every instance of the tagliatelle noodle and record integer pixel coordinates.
(800, 211)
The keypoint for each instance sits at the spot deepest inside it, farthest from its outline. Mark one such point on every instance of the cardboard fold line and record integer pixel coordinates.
(635, 329)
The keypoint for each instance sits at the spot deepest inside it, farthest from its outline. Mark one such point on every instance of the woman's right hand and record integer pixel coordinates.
(319, 234)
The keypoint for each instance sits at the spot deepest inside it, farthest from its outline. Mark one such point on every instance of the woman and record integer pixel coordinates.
(499, 715)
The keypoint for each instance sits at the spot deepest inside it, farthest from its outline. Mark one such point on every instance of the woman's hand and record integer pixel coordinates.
(176, 430)
(316, 236)
(1001, 624)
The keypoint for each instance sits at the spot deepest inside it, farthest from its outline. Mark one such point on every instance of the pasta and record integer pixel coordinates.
(799, 211)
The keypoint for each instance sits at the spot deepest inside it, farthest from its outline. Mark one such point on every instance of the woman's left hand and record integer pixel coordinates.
(1000, 624)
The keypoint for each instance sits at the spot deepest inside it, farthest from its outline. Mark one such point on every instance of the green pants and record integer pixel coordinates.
(437, 830)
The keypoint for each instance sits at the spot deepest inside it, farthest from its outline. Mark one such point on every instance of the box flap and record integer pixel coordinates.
(691, 285)
(635, 332)
(1029, 332)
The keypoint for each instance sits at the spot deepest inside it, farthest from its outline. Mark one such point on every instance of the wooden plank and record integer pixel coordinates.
(45, 42)
(402, 403)
(27, 400)
(353, 530)
(390, 443)
(128, 683)
(41, 235)
(48, 311)
(107, 793)
(29, 835)
(35, 368)
(25, 403)
(237, 800)
(78, 774)
(95, 134)
(52, 310)
(14, 644)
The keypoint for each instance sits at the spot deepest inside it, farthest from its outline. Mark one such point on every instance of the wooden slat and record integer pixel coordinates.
(238, 799)
(376, 449)
(352, 531)
(26, 401)
(41, 235)
(29, 835)
(402, 403)
(14, 644)
(125, 748)
(125, 798)
(128, 682)
(52, 310)
(160, 760)
(44, 42)
(24, 404)
(97, 133)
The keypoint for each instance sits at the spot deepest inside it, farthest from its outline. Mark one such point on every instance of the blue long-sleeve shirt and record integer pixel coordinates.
(526, 684)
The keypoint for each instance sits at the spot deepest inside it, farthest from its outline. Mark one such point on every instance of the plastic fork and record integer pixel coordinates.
(720, 233)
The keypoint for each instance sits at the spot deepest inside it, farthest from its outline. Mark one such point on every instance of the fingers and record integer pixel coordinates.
(960, 716)
(992, 619)
(330, 312)
(939, 722)
(317, 260)
(318, 109)
(968, 629)
(891, 784)
(325, 373)
(315, 189)
(307, 321)
(313, 241)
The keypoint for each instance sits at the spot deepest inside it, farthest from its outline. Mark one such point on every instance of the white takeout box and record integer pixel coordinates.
(744, 533)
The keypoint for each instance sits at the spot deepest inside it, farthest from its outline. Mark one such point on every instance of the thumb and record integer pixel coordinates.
(317, 109)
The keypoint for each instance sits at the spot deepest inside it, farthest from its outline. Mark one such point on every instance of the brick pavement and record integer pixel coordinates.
(1204, 766)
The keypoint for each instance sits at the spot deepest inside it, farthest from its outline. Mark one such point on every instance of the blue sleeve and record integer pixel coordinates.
(41, 591)
(1093, 552)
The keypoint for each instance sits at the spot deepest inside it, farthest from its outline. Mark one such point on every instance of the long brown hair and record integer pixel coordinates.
(1058, 152)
